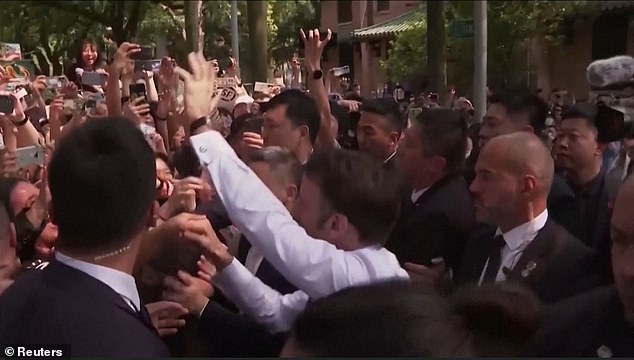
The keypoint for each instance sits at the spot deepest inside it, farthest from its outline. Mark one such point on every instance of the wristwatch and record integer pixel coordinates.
(318, 74)
(198, 123)
(21, 123)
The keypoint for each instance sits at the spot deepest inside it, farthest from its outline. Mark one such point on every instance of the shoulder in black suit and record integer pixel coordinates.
(232, 334)
(589, 325)
(437, 225)
(62, 305)
(555, 265)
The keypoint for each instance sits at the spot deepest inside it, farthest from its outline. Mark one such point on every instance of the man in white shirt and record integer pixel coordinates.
(513, 177)
(346, 199)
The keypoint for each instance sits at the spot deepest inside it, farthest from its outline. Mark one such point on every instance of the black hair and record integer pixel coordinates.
(399, 318)
(347, 124)
(301, 110)
(443, 132)
(502, 318)
(391, 319)
(585, 111)
(387, 108)
(245, 122)
(521, 105)
(102, 179)
(359, 187)
(186, 162)
(165, 159)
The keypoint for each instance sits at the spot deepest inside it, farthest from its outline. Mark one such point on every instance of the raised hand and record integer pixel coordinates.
(313, 47)
(137, 110)
(69, 90)
(184, 195)
(167, 316)
(200, 88)
(191, 292)
(252, 140)
(8, 163)
(122, 56)
(204, 235)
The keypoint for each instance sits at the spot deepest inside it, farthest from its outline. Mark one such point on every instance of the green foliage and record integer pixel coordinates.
(408, 53)
(510, 24)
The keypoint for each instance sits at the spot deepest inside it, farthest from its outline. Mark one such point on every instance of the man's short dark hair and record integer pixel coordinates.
(395, 318)
(387, 108)
(359, 187)
(102, 180)
(585, 111)
(522, 105)
(444, 132)
(284, 165)
(301, 110)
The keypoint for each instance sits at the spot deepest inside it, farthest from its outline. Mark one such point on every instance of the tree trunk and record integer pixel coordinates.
(194, 25)
(436, 48)
(256, 17)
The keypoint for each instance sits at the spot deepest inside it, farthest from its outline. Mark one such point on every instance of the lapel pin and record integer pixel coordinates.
(529, 267)
(604, 352)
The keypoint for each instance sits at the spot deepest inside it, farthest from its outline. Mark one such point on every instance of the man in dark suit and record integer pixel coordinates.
(579, 153)
(520, 110)
(379, 129)
(513, 178)
(102, 185)
(437, 212)
(599, 323)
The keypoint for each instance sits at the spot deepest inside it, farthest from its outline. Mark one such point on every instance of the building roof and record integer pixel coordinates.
(387, 28)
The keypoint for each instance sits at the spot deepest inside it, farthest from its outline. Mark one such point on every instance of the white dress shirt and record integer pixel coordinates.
(122, 283)
(253, 260)
(315, 266)
(416, 194)
(516, 239)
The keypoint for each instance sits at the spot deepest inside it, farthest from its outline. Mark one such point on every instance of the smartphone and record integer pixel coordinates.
(72, 105)
(138, 90)
(263, 87)
(343, 70)
(29, 156)
(146, 53)
(92, 78)
(147, 65)
(148, 131)
(55, 82)
(6, 104)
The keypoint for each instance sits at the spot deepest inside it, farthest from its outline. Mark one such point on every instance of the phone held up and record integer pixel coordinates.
(92, 78)
(30, 156)
(138, 90)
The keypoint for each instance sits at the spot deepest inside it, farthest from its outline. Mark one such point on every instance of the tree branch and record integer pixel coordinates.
(65, 6)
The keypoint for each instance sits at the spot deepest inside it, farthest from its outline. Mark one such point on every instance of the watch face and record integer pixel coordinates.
(317, 74)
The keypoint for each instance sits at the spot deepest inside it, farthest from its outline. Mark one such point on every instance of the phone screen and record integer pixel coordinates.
(137, 90)
(146, 53)
(92, 78)
(29, 156)
(6, 104)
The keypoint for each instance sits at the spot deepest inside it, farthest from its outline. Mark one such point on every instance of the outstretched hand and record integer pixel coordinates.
(314, 47)
(200, 88)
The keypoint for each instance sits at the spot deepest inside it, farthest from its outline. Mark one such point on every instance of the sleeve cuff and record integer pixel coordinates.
(209, 146)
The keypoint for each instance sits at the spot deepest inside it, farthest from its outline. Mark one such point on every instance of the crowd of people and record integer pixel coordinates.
(174, 213)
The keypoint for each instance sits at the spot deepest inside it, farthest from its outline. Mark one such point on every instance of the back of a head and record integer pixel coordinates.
(359, 187)
(284, 165)
(301, 109)
(444, 132)
(385, 319)
(102, 180)
(501, 319)
(387, 108)
(246, 122)
(523, 107)
(527, 154)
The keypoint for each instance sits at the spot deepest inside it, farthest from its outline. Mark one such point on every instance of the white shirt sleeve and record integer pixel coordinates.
(265, 305)
(315, 266)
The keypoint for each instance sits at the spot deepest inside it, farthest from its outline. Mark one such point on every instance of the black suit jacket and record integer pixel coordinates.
(586, 325)
(266, 272)
(232, 334)
(437, 225)
(563, 266)
(62, 305)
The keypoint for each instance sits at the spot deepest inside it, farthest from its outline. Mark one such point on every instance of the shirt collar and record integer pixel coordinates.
(120, 282)
(416, 194)
(389, 157)
(526, 232)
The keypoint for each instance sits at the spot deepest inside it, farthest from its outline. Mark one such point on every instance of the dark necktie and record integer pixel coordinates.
(495, 258)
(144, 315)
